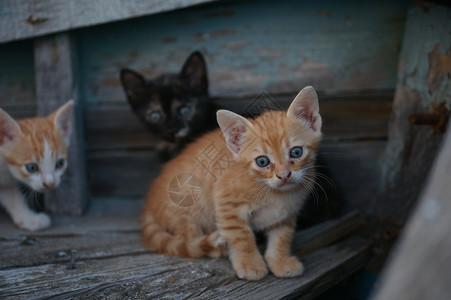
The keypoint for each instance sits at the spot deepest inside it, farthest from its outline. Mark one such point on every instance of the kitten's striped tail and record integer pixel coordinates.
(157, 239)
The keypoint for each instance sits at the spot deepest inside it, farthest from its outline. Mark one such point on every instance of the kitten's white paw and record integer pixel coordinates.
(249, 267)
(34, 222)
(284, 267)
(217, 239)
(219, 243)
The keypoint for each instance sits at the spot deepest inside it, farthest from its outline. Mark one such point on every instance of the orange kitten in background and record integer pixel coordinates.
(259, 181)
(34, 152)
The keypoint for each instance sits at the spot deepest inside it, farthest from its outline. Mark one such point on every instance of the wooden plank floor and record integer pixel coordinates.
(110, 263)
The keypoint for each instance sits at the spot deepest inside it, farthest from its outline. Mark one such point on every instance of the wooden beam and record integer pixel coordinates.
(26, 19)
(420, 268)
(425, 61)
(56, 83)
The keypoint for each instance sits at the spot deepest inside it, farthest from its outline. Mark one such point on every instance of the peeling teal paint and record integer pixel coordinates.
(253, 46)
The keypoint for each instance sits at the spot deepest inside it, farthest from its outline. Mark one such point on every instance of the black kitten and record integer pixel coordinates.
(175, 107)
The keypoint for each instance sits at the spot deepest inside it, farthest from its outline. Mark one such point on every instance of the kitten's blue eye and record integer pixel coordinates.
(296, 152)
(155, 117)
(185, 111)
(32, 167)
(262, 161)
(59, 163)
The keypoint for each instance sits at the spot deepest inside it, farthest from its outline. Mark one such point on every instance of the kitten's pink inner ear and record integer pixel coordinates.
(9, 129)
(305, 107)
(233, 127)
(63, 119)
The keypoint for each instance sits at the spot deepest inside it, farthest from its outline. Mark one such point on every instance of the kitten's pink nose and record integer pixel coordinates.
(49, 184)
(284, 176)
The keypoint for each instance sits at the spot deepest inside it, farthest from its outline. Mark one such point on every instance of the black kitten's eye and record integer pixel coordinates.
(60, 163)
(155, 117)
(262, 161)
(296, 152)
(185, 111)
(32, 167)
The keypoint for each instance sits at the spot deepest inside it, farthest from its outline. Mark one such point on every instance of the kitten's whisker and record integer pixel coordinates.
(316, 184)
(312, 191)
(327, 179)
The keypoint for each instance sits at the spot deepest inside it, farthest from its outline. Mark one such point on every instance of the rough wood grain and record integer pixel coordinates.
(411, 149)
(252, 46)
(26, 19)
(96, 236)
(56, 82)
(56, 249)
(420, 267)
(151, 276)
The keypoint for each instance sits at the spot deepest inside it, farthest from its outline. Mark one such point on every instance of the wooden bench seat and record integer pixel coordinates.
(109, 262)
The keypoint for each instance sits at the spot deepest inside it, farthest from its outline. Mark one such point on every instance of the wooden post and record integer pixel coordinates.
(421, 265)
(423, 84)
(56, 82)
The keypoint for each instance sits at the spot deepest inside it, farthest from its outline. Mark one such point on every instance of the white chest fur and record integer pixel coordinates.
(277, 209)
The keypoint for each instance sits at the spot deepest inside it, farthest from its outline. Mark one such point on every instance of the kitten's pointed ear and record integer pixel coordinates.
(305, 107)
(194, 73)
(135, 87)
(63, 120)
(9, 129)
(234, 128)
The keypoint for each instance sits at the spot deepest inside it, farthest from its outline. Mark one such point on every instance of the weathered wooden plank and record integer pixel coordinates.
(25, 19)
(252, 46)
(425, 60)
(324, 268)
(110, 228)
(148, 276)
(351, 117)
(420, 267)
(56, 82)
(56, 249)
(108, 236)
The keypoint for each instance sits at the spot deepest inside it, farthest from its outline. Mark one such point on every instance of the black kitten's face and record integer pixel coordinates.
(173, 106)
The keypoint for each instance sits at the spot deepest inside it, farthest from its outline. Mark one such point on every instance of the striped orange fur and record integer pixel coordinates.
(235, 192)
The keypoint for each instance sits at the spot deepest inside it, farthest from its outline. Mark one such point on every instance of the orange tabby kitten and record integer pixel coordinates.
(34, 152)
(256, 175)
